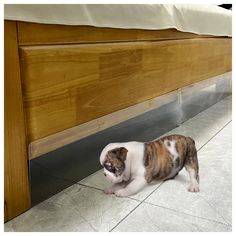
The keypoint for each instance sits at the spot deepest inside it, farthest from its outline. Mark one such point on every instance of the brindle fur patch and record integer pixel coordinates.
(159, 163)
(116, 158)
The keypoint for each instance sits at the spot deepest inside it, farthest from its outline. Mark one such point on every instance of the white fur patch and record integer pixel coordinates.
(172, 149)
(134, 171)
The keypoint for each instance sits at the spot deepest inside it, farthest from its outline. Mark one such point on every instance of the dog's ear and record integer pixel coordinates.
(119, 153)
(122, 153)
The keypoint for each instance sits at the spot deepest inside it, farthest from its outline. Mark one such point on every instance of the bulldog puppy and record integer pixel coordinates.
(132, 165)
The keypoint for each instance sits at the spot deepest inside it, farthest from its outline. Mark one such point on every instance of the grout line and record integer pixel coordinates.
(125, 217)
(135, 208)
(200, 217)
(214, 135)
(197, 194)
(226, 221)
(84, 185)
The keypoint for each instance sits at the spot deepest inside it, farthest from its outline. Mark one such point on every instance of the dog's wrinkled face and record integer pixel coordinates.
(114, 164)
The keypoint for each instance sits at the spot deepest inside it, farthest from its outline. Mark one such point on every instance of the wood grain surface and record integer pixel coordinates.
(60, 139)
(16, 182)
(67, 85)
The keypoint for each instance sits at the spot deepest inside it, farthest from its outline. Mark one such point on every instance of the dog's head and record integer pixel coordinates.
(113, 162)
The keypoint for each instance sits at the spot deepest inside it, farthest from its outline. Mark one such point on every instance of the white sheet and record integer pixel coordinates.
(195, 18)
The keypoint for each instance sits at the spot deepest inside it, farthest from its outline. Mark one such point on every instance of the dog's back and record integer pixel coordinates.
(165, 157)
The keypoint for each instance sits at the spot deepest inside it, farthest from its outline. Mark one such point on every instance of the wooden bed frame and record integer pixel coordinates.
(66, 82)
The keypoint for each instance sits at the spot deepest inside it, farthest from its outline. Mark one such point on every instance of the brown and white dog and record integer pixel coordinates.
(132, 165)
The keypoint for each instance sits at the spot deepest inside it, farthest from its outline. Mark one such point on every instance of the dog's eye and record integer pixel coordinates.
(110, 168)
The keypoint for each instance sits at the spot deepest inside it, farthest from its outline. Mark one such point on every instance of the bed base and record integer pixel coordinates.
(47, 93)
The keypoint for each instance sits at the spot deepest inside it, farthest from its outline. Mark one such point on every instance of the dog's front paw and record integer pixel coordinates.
(108, 190)
(193, 188)
(121, 193)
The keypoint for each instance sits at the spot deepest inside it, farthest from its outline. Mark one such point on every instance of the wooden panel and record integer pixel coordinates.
(65, 86)
(60, 139)
(34, 33)
(16, 183)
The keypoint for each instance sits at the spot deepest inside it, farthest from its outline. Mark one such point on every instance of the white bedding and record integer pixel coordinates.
(195, 18)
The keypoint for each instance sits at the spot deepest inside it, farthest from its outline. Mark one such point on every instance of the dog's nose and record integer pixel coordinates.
(105, 174)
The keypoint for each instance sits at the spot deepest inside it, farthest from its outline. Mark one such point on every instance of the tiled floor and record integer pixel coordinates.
(165, 206)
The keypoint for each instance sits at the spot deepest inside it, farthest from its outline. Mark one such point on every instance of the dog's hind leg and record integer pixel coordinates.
(191, 165)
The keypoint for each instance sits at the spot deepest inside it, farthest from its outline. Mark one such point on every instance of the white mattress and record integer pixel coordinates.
(195, 18)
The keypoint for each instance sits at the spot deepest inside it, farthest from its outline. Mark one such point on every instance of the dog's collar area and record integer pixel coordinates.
(109, 168)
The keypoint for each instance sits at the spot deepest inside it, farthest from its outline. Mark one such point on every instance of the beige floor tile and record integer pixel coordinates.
(151, 218)
(74, 209)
